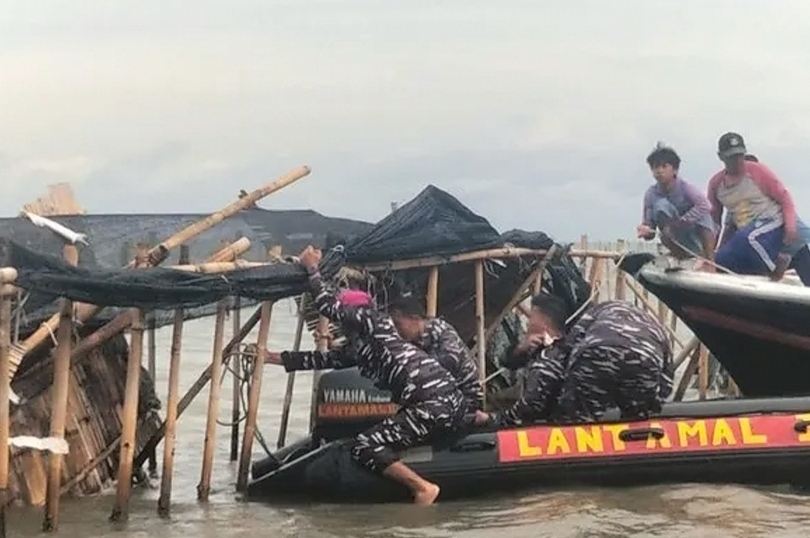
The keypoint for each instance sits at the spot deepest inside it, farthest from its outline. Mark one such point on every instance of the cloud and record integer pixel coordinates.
(538, 114)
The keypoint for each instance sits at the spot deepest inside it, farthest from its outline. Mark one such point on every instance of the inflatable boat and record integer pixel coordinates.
(755, 441)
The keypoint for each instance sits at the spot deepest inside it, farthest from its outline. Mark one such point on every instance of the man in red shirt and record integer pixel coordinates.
(760, 215)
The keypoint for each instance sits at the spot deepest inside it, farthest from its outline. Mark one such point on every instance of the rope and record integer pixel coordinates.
(248, 363)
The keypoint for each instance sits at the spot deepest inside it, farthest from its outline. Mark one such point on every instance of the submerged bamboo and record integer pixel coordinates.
(253, 396)
(236, 393)
(158, 254)
(165, 498)
(204, 487)
(288, 391)
(59, 400)
(129, 419)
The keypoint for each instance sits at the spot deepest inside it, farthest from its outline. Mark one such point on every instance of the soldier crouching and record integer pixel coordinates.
(614, 355)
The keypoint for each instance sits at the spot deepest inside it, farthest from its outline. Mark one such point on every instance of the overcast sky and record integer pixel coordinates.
(536, 114)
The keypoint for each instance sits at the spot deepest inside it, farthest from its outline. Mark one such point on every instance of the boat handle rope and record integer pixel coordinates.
(641, 434)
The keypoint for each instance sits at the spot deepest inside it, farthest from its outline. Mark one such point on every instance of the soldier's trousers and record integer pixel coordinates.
(600, 377)
(377, 447)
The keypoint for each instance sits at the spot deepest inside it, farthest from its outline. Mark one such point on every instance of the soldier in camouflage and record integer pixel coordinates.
(441, 341)
(615, 355)
(430, 403)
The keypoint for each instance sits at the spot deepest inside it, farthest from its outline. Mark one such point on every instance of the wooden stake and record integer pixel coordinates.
(59, 400)
(236, 369)
(204, 487)
(288, 392)
(165, 498)
(120, 511)
(480, 318)
(158, 254)
(253, 396)
(7, 275)
(432, 306)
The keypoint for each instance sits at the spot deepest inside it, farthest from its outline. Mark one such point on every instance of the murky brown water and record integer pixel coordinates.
(680, 511)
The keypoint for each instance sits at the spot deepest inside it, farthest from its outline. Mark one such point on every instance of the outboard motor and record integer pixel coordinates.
(346, 404)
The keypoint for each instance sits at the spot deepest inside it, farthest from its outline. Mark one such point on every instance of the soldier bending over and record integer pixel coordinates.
(431, 405)
(615, 355)
(440, 340)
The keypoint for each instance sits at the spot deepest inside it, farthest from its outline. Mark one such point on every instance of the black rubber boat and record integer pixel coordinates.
(758, 330)
(754, 441)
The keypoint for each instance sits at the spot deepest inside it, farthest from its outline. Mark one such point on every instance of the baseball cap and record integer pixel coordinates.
(730, 144)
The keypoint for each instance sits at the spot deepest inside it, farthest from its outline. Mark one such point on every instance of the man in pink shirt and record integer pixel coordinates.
(760, 215)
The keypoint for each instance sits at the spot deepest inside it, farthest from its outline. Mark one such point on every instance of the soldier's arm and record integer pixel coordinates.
(542, 379)
(317, 360)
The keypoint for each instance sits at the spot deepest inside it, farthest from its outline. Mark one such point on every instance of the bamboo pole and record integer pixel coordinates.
(165, 498)
(480, 318)
(204, 487)
(322, 344)
(621, 280)
(689, 348)
(253, 396)
(288, 391)
(7, 276)
(221, 267)
(158, 254)
(688, 373)
(703, 372)
(236, 368)
(645, 301)
(59, 400)
(120, 511)
(583, 245)
(432, 306)
(495, 253)
(519, 295)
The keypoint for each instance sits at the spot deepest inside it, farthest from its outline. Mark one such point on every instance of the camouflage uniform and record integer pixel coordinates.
(441, 341)
(615, 355)
(544, 374)
(618, 355)
(430, 402)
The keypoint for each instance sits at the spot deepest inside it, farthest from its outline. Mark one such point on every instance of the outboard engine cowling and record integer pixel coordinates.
(348, 403)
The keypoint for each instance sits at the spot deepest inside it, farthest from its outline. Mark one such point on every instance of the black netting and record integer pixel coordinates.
(432, 224)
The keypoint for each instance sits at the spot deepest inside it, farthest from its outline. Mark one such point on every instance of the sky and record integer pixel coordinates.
(535, 114)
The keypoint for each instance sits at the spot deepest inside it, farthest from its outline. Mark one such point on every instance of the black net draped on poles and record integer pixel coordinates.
(434, 223)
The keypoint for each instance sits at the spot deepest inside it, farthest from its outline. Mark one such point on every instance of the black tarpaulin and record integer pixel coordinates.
(152, 288)
(434, 223)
